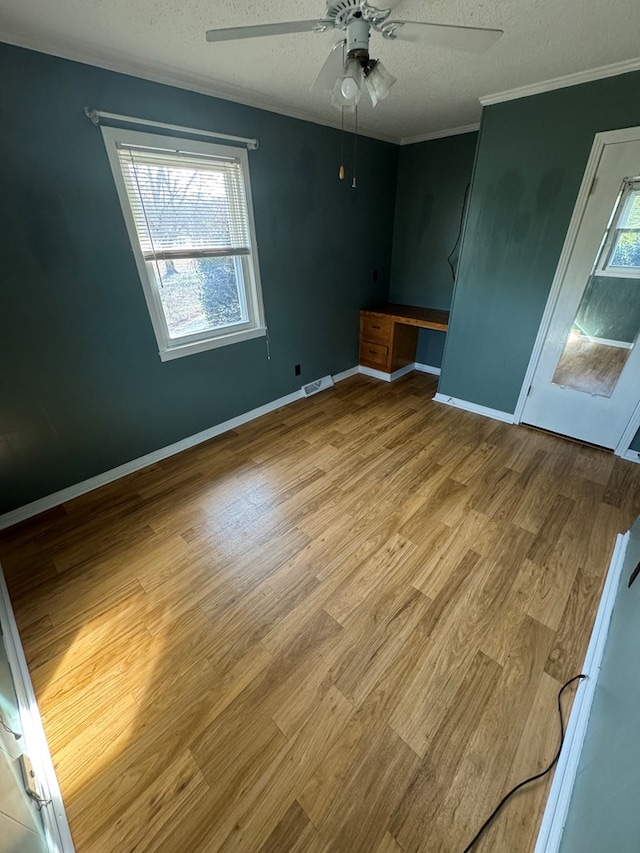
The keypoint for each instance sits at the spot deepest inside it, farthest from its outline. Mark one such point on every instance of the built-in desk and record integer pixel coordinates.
(389, 335)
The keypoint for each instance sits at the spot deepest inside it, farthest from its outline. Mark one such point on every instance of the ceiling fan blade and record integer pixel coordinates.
(330, 71)
(470, 39)
(232, 33)
(384, 4)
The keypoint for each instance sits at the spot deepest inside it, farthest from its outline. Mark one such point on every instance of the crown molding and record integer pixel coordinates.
(563, 82)
(169, 76)
(439, 134)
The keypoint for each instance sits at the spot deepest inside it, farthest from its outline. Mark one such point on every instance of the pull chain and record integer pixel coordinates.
(341, 170)
(354, 182)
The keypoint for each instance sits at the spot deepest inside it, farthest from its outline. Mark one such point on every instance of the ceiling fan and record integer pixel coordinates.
(349, 65)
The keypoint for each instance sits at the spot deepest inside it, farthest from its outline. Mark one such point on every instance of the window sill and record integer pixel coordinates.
(211, 343)
(631, 272)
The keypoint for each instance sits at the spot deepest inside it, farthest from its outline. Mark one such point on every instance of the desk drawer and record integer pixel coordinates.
(373, 354)
(375, 328)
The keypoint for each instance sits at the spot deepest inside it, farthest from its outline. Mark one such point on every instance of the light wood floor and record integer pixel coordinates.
(590, 366)
(339, 628)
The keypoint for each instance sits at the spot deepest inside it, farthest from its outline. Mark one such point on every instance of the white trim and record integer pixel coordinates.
(254, 325)
(346, 374)
(630, 455)
(95, 115)
(600, 140)
(54, 818)
(42, 504)
(387, 377)
(496, 414)
(92, 483)
(620, 272)
(427, 368)
(555, 813)
(562, 82)
(609, 342)
(629, 434)
(391, 377)
(604, 266)
(439, 134)
(211, 343)
(168, 76)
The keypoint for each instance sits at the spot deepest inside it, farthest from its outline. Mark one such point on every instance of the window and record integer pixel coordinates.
(620, 254)
(187, 206)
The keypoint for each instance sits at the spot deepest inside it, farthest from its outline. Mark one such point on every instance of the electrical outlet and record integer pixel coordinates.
(28, 775)
(297, 370)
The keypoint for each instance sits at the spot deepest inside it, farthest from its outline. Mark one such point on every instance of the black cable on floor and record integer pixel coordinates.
(531, 778)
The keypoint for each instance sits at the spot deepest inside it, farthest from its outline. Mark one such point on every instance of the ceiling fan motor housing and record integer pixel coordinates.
(348, 14)
(358, 39)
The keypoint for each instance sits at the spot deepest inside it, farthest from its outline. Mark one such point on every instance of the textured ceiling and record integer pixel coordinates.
(437, 89)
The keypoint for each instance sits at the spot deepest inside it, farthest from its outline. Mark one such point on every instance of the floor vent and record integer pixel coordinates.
(319, 385)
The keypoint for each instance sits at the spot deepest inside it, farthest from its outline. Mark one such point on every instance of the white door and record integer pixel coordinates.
(21, 827)
(587, 381)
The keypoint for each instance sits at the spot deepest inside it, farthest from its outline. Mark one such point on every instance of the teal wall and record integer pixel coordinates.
(531, 158)
(82, 387)
(432, 179)
(610, 308)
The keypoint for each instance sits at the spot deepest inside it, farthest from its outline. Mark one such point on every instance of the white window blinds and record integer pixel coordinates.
(186, 205)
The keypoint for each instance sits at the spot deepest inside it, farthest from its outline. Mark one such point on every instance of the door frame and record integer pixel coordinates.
(56, 827)
(627, 134)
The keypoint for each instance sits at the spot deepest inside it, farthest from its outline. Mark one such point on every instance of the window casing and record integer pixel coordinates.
(187, 207)
(620, 253)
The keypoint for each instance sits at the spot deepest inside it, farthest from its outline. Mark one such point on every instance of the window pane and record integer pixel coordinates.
(631, 214)
(602, 336)
(183, 205)
(607, 322)
(200, 294)
(221, 288)
(627, 250)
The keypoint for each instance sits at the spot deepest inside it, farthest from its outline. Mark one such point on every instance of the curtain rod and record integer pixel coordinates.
(96, 115)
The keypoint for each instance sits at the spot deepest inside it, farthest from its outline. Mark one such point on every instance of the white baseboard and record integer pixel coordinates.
(631, 455)
(427, 368)
(391, 377)
(555, 813)
(34, 741)
(386, 377)
(474, 407)
(42, 504)
(352, 371)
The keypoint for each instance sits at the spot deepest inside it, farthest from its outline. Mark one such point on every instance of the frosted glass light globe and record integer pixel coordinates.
(349, 88)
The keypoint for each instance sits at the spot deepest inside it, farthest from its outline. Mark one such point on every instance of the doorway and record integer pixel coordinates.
(583, 377)
(34, 823)
(21, 826)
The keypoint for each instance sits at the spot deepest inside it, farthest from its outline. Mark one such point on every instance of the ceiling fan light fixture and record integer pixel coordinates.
(349, 68)
(347, 88)
(379, 82)
(332, 68)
